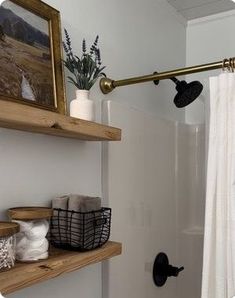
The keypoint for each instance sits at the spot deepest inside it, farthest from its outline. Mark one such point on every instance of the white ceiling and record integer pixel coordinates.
(192, 9)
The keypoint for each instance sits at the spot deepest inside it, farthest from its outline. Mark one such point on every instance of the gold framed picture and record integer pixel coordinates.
(31, 69)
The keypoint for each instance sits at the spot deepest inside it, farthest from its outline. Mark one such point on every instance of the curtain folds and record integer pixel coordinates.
(218, 278)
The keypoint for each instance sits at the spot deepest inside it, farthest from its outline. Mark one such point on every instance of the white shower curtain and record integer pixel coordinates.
(218, 278)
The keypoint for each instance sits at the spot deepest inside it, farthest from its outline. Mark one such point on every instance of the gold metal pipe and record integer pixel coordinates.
(107, 85)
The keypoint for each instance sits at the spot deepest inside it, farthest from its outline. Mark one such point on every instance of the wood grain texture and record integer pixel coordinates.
(22, 117)
(8, 228)
(30, 213)
(60, 261)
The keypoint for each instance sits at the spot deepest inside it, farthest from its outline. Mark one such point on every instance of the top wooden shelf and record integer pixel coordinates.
(22, 117)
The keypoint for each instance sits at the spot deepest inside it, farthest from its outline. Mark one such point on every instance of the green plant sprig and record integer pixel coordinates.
(86, 69)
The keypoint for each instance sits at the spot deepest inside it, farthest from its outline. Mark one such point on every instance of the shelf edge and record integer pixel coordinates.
(27, 118)
(60, 262)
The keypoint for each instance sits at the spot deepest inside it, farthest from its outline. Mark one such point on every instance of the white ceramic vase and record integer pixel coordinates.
(82, 107)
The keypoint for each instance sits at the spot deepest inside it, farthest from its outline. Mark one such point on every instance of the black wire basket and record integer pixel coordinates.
(80, 231)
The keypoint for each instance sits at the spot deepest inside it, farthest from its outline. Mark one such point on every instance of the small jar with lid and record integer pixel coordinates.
(8, 231)
(31, 242)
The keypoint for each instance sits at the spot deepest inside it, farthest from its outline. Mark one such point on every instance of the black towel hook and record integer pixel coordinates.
(162, 270)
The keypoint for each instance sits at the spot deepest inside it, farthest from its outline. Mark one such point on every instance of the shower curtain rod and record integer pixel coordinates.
(107, 85)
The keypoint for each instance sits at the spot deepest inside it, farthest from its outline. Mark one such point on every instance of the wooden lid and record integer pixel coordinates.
(8, 228)
(30, 213)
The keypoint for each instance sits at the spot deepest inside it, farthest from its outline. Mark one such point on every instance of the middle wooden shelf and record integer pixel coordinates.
(60, 261)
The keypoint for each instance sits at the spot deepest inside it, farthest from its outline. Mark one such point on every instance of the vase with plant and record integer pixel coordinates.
(85, 71)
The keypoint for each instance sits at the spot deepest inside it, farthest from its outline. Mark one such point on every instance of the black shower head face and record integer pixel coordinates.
(187, 93)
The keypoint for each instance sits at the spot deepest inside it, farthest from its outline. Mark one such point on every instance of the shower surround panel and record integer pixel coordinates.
(143, 179)
(190, 206)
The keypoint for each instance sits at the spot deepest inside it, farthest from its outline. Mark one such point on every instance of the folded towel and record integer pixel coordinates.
(76, 229)
(81, 203)
(74, 202)
(60, 202)
(83, 231)
(60, 229)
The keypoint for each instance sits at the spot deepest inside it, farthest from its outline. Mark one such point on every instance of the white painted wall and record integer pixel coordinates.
(137, 37)
(209, 39)
(35, 168)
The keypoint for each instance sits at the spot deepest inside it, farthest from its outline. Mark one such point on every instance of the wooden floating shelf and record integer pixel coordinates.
(60, 261)
(22, 117)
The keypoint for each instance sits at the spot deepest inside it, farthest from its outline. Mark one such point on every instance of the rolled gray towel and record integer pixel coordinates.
(60, 202)
(60, 228)
(74, 202)
(81, 203)
(84, 232)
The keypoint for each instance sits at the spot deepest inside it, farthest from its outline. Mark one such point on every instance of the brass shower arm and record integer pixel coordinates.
(107, 85)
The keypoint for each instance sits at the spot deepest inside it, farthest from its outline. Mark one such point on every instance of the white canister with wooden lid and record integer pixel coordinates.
(31, 243)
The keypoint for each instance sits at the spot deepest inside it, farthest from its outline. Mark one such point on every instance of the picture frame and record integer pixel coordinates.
(31, 67)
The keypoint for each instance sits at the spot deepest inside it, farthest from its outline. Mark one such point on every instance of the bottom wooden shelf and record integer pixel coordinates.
(60, 261)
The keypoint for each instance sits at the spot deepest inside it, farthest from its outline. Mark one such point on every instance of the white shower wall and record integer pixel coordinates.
(190, 204)
(153, 182)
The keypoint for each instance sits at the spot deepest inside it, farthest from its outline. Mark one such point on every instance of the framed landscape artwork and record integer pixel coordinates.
(31, 69)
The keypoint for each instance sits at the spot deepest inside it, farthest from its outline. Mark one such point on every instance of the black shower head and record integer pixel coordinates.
(187, 92)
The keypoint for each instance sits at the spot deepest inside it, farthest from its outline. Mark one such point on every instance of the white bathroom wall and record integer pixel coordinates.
(136, 38)
(209, 39)
(34, 169)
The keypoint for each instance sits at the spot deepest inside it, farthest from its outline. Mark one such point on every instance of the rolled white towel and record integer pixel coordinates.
(21, 241)
(27, 244)
(34, 230)
(41, 244)
(25, 226)
(31, 242)
(31, 255)
(38, 231)
(43, 256)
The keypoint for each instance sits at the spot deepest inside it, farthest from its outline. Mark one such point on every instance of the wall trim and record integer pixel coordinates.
(211, 18)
